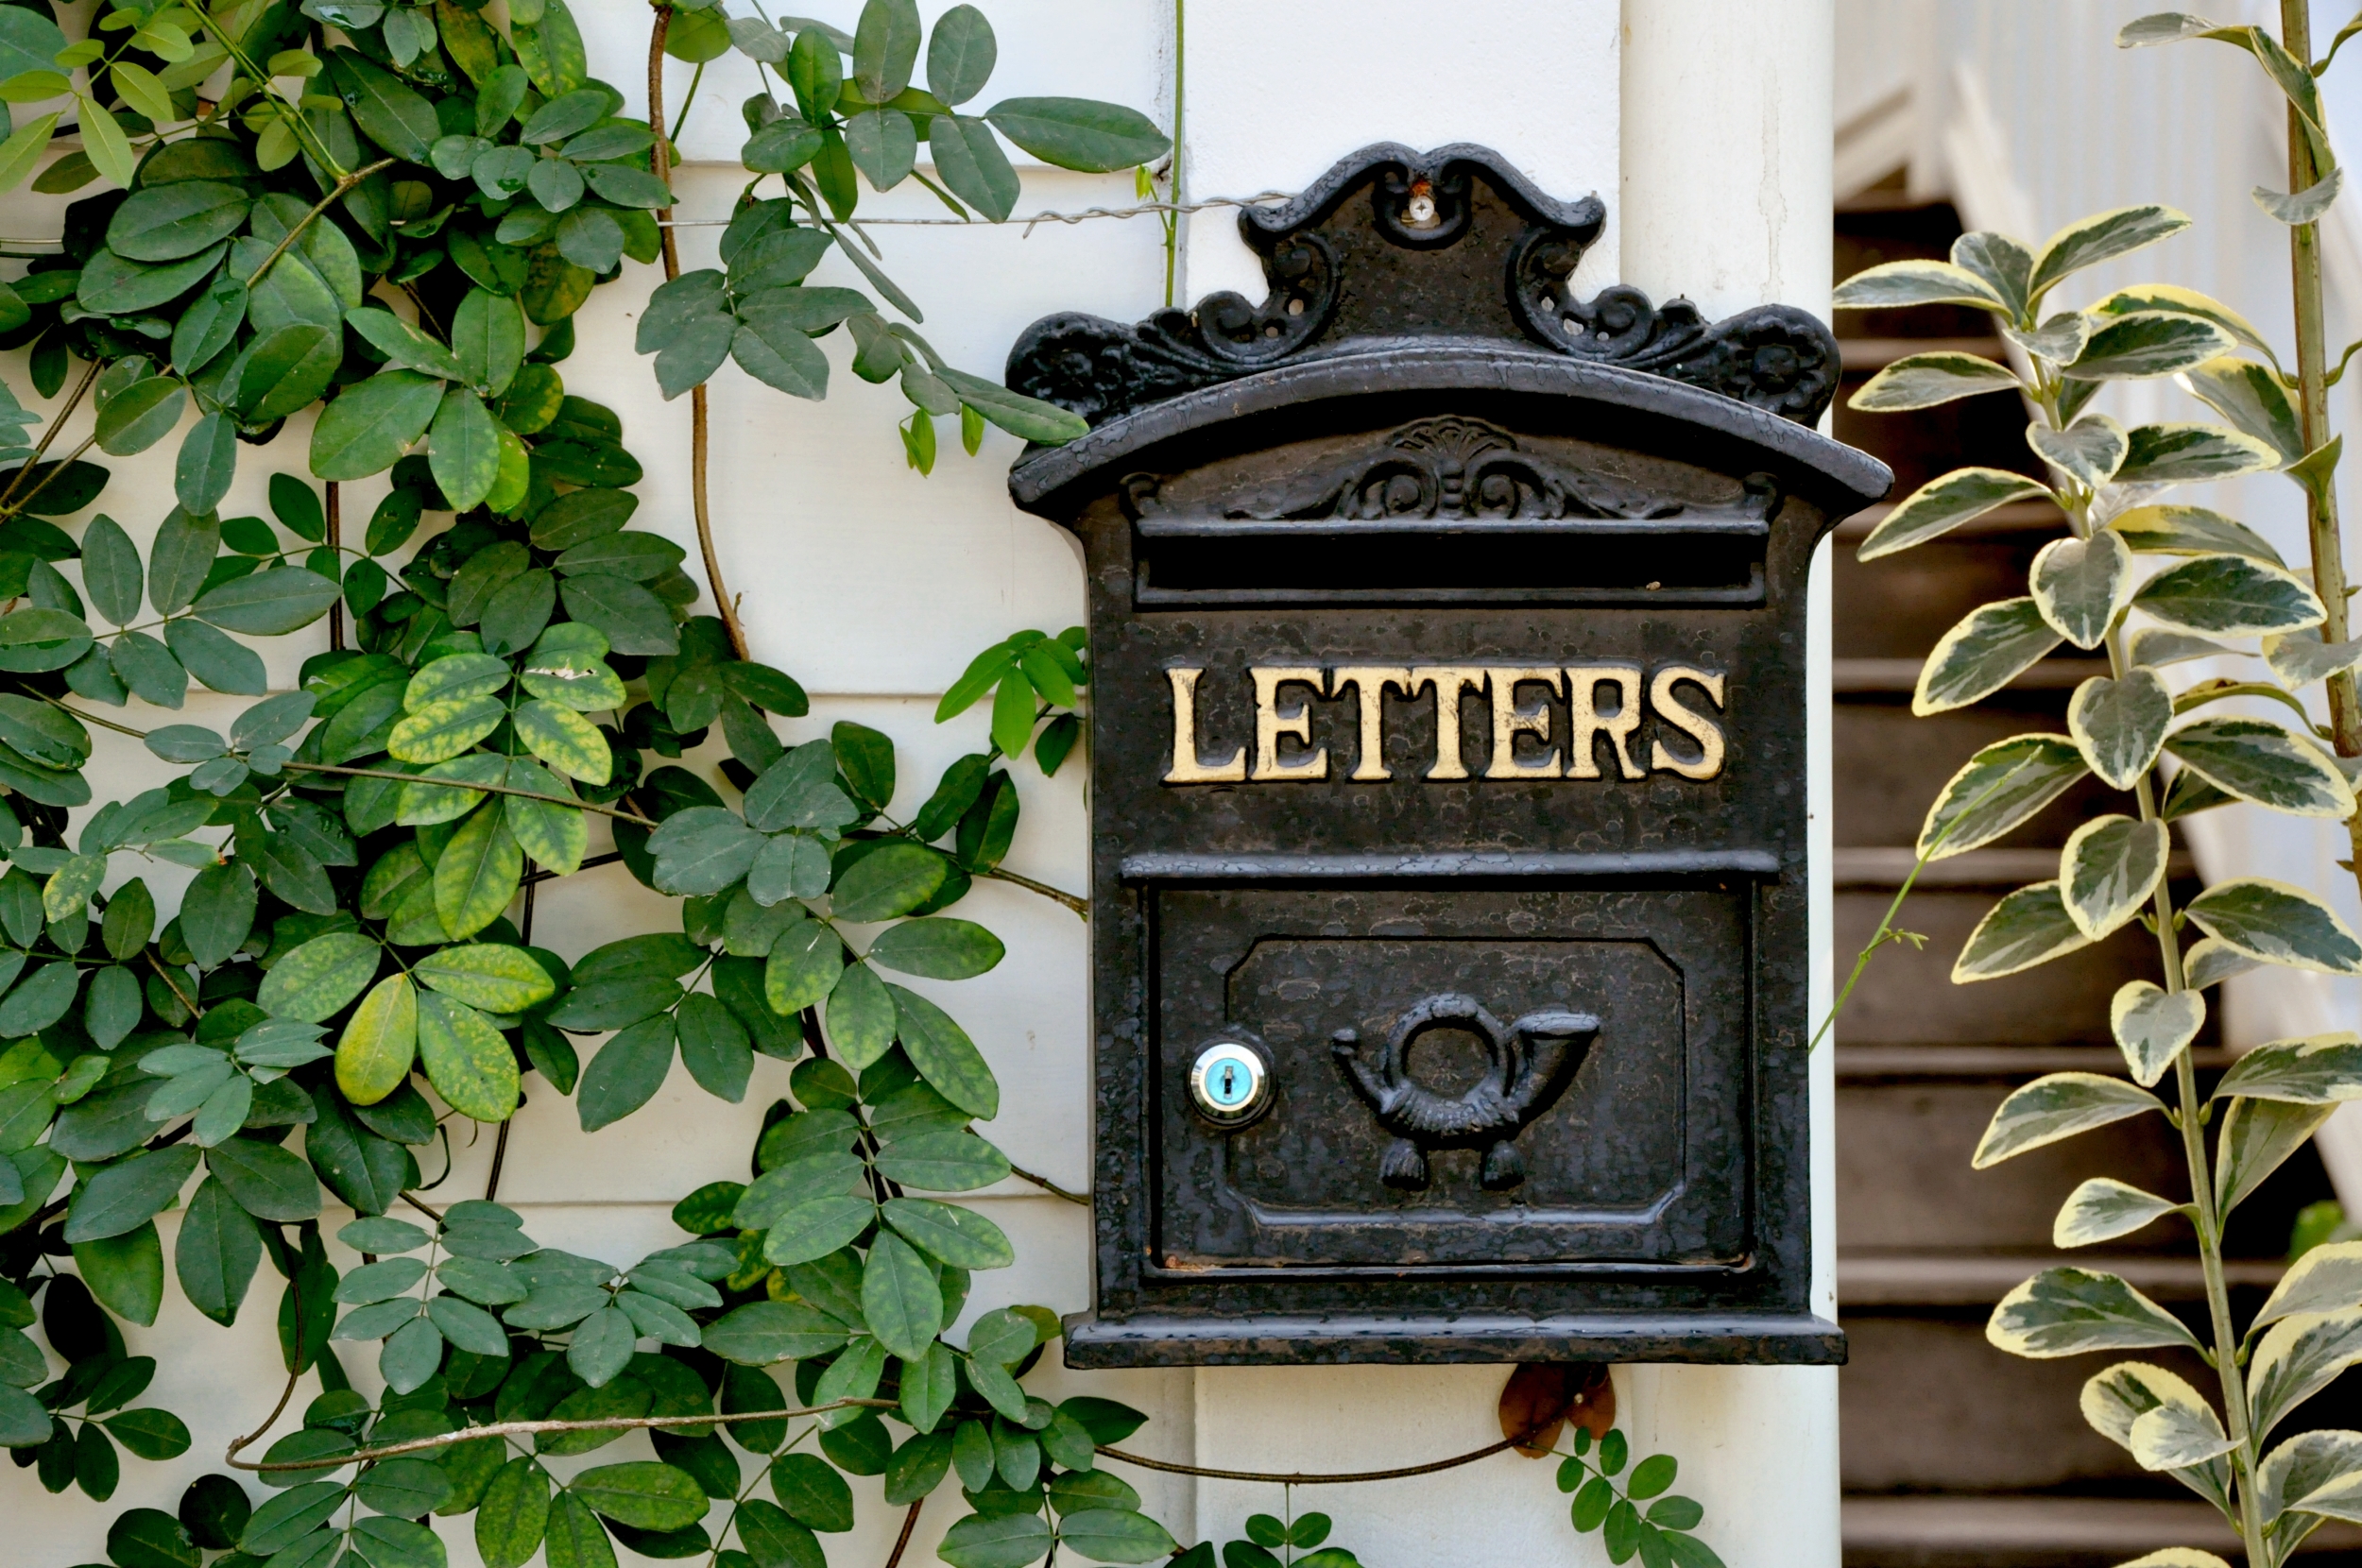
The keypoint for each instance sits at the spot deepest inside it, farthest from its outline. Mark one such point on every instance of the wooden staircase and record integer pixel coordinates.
(1955, 1454)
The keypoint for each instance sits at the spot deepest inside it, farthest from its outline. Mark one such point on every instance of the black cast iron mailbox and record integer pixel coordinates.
(1448, 791)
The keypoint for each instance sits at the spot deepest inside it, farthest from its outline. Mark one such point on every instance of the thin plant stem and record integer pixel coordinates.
(56, 423)
(1172, 219)
(530, 1428)
(458, 784)
(344, 184)
(11, 508)
(687, 102)
(2189, 1114)
(902, 1542)
(336, 541)
(1080, 906)
(2321, 500)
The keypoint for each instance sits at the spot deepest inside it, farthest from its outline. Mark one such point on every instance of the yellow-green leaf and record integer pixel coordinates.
(478, 872)
(441, 730)
(489, 975)
(565, 740)
(380, 1040)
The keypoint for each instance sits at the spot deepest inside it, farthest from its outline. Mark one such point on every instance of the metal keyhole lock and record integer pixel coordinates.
(1230, 1083)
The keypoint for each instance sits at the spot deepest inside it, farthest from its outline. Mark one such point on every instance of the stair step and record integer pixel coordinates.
(1902, 675)
(1957, 1279)
(1976, 868)
(2041, 1532)
(2010, 1064)
(1907, 996)
(1895, 765)
(1877, 354)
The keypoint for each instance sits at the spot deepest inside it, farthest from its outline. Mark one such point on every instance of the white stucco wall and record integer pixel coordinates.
(1706, 128)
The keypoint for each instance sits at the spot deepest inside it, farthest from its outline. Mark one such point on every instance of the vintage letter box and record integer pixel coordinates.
(1448, 793)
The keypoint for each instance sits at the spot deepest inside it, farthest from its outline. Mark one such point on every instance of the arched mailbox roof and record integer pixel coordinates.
(1364, 384)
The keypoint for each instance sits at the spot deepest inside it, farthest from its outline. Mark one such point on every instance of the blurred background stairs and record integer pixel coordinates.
(1955, 1454)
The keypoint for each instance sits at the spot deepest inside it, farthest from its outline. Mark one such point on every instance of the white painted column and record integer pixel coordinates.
(1726, 198)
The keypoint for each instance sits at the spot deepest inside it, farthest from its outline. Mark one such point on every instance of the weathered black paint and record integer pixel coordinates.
(1434, 488)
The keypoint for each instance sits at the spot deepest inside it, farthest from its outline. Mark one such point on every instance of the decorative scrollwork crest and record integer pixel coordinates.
(1413, 263)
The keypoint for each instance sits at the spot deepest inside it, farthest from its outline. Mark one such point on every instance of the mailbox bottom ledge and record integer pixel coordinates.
(1720, 1339)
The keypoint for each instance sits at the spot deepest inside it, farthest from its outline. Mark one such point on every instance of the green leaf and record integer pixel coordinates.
(860, 1017)
(515, 1510)
(1989, 647)
(2153, 1027)
(121, 1198)
(2070, 1311)
(140, 415)
(2146, 344)
(814, 1229)
(465, 449)
(626, 1073)
(1028, 419)
(2180, 454)
(703, 850)
(2111, 866)
(950, 1234)
(268, 1182)
(943, 1053)
(960, 55)
(643, 1494)
(388, 113)
(378, 1045)
(2323, 1069)
(466, 1059)
(373, 422)
(126, 1273)
(574, 1538)
(2103, 1208)
(490, 976)
(885, 47)
(899, 1297)
(404, 346)
(943, 1161)
(2278, 924)
(320, 977)
(891, 881)
(217, 1251)
(884, 145)
(1924, 381)
(269, 604)
(2057, 1106)
(2190, 531)
(805, 962)
(970, 162)
(996, 1541)
(765, 1333)
(2119, 725)
(939, 947)
(1119, 1535)
(2090, 241)
(1899, 285)
(2259, 760)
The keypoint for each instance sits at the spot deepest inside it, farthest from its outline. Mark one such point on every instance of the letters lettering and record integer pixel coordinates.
(1601, 700)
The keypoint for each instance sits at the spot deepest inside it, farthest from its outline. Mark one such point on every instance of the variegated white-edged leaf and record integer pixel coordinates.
(1988, 648)
(2210, 962)
(2058, 340)
(2003, 263)
(2236, 595)
(2121, 724)
(2115, 1399)
(2191, 530)
(2296, 1359)
(2251, 397)
(2054, 1106)
(2102, 1209)
(2313, 1473)
(2028, 927)
(1944, 503)
(2000, 787)
(2184, 302)
(2146, 344)
(2089, 450)
(2327, 1278)
(2278, 924)
(2257, 1137)
(2152, 1025)
(1896, 285)
(2182, 453)
(2176, 1557)
(2320, 1070)
(2090, 241)
(2069, 1311)
(2259, 760)
(2301, 657)
(2081, 586)
(2175, 1436)
(1923, 381)
(2299, 208)
(2155, 647)
(2111, 866)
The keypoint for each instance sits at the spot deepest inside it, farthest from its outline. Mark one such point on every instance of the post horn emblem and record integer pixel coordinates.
(1533, 1060)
